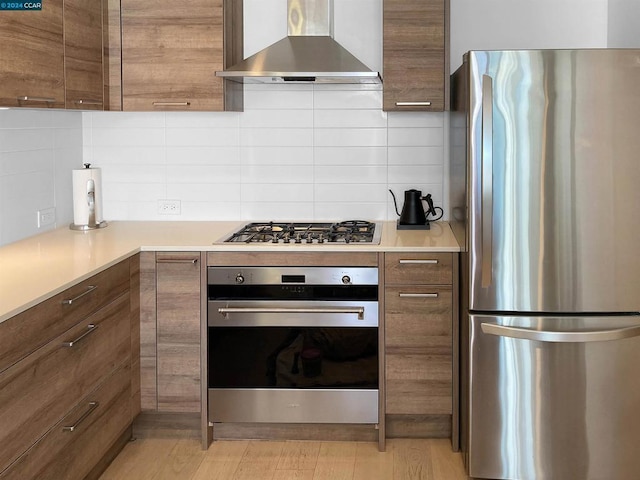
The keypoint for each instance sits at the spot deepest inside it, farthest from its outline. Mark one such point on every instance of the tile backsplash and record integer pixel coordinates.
(300, 152)
(38, 150)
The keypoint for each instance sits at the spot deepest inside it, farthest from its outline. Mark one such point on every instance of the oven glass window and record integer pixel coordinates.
(293, 357)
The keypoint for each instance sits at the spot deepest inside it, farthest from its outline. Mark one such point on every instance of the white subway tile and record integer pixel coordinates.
(349, 118)
(286, 192)
(126, 119)
(127, 156)
(221, 137)
(354, 192)
(205, 192)
(278, 99)
(416, 174)
(350, 137)
(128, 137)
(133, 174)
(210, 211)
(274, 137)
(277, 118)
(350, 174)
(202, 119)
(192, 174)
(277, 211)
(416, 155)
(415, 137)
(276, 155)
(133, 192)
(416, 119)
(24, 118)
(202, 155)
(26, 161)
(350, 155)
(349, 211)
(347, 99)
(277, 174)
(15, 140)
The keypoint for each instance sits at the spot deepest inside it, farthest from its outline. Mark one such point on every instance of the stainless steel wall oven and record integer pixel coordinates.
(293, 344)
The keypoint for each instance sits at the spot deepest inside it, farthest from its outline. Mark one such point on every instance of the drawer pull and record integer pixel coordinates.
(87, 102)
(90, 328)
(74, 427)
(171, 104)
(90, 289)
(430, 262)
(26, 98)
(413, 104)
(418, 295)
(177, 260)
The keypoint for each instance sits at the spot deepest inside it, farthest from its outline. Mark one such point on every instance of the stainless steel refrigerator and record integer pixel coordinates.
(545, 195)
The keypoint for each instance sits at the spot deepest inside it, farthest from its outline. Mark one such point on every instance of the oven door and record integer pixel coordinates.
(293, 362)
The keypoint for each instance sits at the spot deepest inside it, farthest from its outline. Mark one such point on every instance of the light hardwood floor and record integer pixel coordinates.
(182, 459)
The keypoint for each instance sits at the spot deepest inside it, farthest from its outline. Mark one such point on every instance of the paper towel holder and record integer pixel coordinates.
(91, 202)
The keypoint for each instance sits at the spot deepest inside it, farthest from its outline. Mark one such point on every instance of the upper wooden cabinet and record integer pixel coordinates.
(83, 54)
(170, 53)
(414, 55)
(32, 57)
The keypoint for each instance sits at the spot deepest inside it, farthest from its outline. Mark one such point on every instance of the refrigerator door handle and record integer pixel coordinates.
(487, 180)
(564, 337)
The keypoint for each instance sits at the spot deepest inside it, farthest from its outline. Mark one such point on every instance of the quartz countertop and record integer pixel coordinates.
(39, 267)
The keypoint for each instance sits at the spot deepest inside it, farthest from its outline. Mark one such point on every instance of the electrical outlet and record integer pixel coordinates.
(169, 207)
(46, 217)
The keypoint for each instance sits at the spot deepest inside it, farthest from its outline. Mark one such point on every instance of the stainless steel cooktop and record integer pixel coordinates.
(345, 232)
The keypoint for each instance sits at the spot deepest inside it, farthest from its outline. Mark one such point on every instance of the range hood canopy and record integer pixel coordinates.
(307, 54)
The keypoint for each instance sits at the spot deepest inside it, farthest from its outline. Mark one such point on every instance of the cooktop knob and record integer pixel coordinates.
(239, 278)
(298, 239)
(346, 279)
(309, 238)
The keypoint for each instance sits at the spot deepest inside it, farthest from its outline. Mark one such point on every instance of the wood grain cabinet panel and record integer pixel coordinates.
(99, 420)
(414, 55)
(32, 57)
(419, 332)
(178, 331)
(38, 391)
(170, 53)
(83, 54)
(30, 330)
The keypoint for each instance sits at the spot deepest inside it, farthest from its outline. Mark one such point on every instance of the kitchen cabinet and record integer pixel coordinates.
(415, 58)
(32, 57)
(178, 331)
(170, 53)
(66, 381)
(83, 54)
(419, 331)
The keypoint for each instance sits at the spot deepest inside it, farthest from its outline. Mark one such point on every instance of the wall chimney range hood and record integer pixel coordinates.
(308, 53)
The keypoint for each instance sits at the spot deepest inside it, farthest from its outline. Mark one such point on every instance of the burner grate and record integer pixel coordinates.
(350, 231)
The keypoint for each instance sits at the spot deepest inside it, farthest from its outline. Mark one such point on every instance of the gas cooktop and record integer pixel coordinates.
(347, 232)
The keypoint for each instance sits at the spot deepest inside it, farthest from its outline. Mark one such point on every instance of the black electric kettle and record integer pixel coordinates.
(413, 216)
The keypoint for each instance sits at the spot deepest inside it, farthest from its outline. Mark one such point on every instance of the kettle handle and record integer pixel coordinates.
(395, 203)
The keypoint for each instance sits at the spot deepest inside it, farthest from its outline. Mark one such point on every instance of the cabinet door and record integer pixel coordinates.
(418, 349)
(178, 331)
(414, 55)
(170, 53)
(32, 57)
(83, 54)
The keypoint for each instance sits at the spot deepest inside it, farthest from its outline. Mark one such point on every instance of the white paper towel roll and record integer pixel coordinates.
(87, 197)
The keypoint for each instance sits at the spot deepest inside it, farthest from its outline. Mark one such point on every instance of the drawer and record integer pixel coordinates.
(418, 384)
(38, 391)
(418, 268)
(418, 319)
(30, 330)
(98, 421)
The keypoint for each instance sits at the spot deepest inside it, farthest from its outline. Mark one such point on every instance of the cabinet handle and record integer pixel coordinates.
(90, 328)
(74, 427)
(87, 102)
(26, 98)
(418, 295)
(413, 104)
(90, 289)
(171, 104)
(177, 260)
(431, 262)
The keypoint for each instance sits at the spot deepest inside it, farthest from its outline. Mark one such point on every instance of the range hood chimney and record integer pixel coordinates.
(308, 54)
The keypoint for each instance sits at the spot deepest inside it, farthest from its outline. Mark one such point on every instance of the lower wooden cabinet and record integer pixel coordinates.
(71, 449)
(65, 402)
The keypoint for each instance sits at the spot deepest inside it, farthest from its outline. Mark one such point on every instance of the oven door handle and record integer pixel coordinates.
(355, 310)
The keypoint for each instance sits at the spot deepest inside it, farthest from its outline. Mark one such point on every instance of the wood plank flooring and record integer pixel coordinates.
(182, 459)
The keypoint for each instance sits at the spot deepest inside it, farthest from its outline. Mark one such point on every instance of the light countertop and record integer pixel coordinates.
(41, 266)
